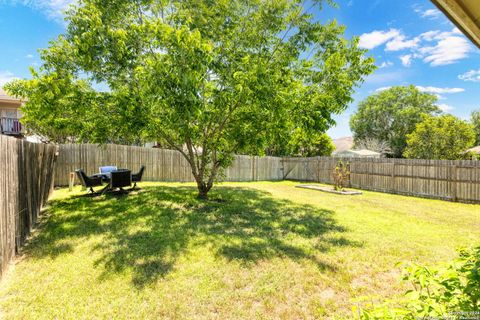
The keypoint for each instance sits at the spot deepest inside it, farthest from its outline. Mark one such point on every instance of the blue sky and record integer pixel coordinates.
(411, 41)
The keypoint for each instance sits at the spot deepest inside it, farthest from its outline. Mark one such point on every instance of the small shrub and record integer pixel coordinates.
(446, 292)
(341, 175)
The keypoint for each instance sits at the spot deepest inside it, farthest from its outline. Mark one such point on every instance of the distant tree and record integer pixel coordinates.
(208, 78)
(475, 120)
(373, 144)
(390, 115)
(301, 144)
(445, 137)
(311, 145)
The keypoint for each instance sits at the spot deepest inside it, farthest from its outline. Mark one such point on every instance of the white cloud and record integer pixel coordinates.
(429, 35)
(438, 90)
(445, 107)
(385, 64)
(456, 31)
(6, 76)
(406, 60)
(382, 89)
(472, 75)
(434, 47)
(376, 38)
(29, 56)
(448, 50)
(53, 9)
(400, 43)
(451, 46)
(431, 13)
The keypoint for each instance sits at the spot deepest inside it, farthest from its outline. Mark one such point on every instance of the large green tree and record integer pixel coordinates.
(389, 115)
(445, 137)
(207, 78)
(475, 120)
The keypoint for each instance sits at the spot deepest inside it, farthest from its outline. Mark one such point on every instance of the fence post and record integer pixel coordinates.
(71, 181)
(349, 170)
(253, 168)
(453, 181)
(393, 177)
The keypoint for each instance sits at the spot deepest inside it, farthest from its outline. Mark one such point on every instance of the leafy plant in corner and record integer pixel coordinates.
(445, 292)
(341, 175)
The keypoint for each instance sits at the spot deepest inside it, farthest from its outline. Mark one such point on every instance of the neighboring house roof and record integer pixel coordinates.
(465, 14)
(361, 153)
(475, 150)
(342, 144)
(5, 98)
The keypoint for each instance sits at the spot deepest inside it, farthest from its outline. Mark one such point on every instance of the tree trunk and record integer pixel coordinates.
(202, 194)
(203, 190)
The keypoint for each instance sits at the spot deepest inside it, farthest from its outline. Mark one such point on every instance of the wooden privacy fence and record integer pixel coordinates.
(439, 179)
(448, 180)
(161, 164)
(26, 179)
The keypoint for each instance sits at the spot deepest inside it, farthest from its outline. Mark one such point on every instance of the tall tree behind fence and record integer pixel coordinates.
(26, 179)
(448, 180)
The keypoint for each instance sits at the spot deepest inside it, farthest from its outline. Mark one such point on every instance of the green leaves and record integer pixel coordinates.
(207, 78)
(442, 138)
(475, 120)
(388, 116)
(451, 290)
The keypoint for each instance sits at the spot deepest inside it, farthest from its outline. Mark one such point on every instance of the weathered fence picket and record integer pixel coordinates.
(26, 179)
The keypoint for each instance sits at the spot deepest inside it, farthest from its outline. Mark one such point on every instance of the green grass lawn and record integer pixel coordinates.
(257, 250)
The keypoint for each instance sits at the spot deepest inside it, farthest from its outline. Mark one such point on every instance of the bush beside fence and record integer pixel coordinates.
(447, 180)
(26, 179)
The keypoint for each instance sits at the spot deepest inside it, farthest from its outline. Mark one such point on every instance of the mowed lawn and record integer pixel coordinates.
(263, 250)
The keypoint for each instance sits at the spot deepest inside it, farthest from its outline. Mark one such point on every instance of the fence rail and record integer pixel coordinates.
(26, 179)
(448, 180)
(161, 164)
(439, 179)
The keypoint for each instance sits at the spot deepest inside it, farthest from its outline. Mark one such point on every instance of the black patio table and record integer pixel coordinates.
(117, 179)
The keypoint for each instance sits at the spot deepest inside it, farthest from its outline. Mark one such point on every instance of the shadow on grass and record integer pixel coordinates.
(146, 231)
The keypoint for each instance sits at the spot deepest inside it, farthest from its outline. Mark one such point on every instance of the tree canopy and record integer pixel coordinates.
(475, 120)
(445, 137)
(207, 78)
(389, 115)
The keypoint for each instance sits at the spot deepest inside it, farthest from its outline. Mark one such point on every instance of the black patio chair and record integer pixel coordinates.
(137, 177)
(89, 182)
(120, 179)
